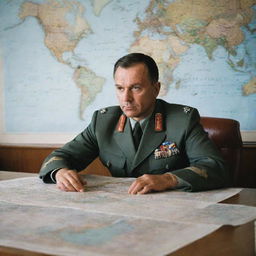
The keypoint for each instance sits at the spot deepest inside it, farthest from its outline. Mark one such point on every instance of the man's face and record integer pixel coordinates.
(135, 92)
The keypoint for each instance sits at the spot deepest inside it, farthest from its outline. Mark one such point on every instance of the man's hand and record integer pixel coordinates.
(69, 180)
(148, 183)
